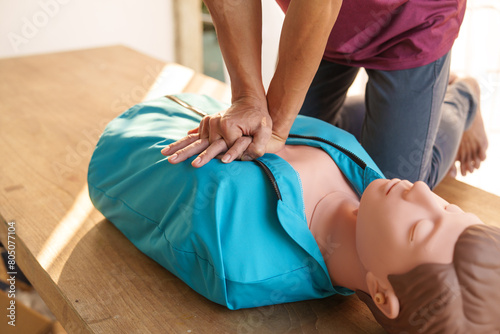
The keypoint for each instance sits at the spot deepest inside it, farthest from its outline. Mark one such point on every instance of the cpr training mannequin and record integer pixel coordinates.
(239, 233)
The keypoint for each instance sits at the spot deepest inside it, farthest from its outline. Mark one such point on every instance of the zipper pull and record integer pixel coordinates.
(186, 105)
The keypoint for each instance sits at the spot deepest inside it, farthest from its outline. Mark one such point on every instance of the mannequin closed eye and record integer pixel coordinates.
(421, 230)
(453, 208)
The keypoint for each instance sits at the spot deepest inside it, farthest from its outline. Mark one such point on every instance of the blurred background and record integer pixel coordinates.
(181, 31)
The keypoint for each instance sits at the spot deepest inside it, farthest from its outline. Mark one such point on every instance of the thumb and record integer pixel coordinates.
(257, 147)
(275, 144)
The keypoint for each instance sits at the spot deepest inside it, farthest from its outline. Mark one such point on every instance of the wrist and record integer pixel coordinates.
(283, 112)
(282, 129)
(247, 91)
(250, 97)
(282, 121)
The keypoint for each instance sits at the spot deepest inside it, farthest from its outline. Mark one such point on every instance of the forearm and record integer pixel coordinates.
(239, 30)
(305, 32)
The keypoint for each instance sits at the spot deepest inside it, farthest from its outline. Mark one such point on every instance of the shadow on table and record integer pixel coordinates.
(116, 288)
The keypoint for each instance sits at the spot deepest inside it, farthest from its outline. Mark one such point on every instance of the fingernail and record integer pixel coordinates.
(246, 157)
(196, 161)
(165, 149)
(226, 158)
(173, 157)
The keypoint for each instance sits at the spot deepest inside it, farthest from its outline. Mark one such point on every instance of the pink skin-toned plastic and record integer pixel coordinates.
(401, 225)
(395, 227)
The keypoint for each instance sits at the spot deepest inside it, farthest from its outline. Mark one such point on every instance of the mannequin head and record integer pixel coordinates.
(418, 251)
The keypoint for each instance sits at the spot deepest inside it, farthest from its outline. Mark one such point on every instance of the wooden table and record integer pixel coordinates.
(52, 109)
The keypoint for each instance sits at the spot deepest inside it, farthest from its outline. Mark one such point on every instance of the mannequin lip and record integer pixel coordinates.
(391, 185)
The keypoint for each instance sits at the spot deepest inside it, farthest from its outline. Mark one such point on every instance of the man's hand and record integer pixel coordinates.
(244, 131)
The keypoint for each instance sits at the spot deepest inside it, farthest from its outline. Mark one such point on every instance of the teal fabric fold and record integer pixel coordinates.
(220, 228)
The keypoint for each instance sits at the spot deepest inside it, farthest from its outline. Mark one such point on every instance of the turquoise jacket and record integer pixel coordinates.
(236, 233)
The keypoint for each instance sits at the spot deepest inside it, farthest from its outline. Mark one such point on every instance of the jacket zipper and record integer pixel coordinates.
(270, 175)
(186, 105)
(350, 154)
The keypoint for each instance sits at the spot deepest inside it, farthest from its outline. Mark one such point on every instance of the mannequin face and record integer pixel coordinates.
(401, 225)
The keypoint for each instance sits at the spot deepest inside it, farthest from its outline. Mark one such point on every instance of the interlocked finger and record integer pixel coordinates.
(204, 127)
(214, 129)
(214, 149)
(180, 144)
(194, 148)
(235, 152)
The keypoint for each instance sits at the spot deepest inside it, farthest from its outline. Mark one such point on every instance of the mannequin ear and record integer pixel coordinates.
(383, 296)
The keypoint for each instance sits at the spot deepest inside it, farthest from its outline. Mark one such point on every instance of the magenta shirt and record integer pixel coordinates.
(392, 34)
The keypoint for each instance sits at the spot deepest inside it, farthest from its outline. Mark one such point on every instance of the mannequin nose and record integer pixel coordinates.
(421, 193)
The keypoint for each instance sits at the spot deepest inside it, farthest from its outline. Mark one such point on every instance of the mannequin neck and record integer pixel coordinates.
(333, 225)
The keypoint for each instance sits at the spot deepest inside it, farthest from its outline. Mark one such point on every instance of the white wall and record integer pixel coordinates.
(272, 21)
(477, 53)
(41, 26)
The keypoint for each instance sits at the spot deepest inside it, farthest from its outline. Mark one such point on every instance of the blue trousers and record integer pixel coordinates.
(409, 121)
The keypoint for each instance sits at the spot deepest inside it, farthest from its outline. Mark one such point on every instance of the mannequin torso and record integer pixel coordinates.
(330, 207)
(319, 179)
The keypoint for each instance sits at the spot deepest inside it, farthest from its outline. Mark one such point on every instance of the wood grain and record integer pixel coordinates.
(94, 280)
